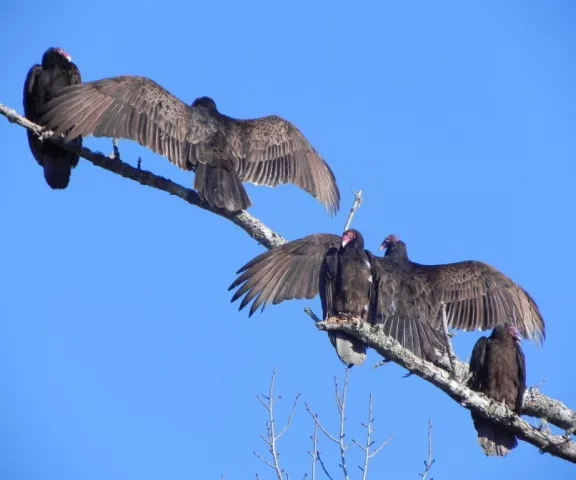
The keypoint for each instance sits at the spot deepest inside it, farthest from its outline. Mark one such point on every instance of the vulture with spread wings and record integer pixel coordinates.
(475, 295)
(41, 85)
(351, 282)
(498, 369)
(223, 151)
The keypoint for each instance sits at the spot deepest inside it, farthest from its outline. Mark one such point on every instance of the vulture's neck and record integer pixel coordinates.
(398, 254)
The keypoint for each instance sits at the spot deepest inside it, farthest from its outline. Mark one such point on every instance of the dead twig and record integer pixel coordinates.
(429, 461)
(369, 442)
(271, 437)
(355, 206)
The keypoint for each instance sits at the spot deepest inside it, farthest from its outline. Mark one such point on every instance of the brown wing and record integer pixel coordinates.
(30, 99)
(275, 152)
(284, 273)
(478, 378)
(399, 310)
(479, 297)
(135, 108)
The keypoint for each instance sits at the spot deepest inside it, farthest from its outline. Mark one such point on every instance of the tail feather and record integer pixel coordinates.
(56, 162)
(415, 335)
(350, 350)
(495, 441)
(221, 187)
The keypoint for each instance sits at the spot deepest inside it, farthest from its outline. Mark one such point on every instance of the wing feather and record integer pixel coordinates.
(479, 297)
(276, 152)
(283, 273)
(135, 108)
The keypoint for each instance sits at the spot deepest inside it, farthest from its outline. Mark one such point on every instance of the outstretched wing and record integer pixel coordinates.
(276, 152)
(138, 109)
(479, 297)
(284, 273)
(401, 312)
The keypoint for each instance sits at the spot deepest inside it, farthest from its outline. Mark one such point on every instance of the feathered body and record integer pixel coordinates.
(498, 370)
(42, 84)
(350, 281)
(474, 294)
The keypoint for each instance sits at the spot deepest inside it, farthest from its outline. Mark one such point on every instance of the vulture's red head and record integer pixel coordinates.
(65, 54)
(512, 330)
(350, 236)
(56, 56)
(389, 240)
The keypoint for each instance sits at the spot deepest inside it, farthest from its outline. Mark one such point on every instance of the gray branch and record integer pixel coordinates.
(559, 446)
(536, 404)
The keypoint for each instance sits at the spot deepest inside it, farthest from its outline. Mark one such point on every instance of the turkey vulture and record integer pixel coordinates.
(41, 85)
(223, 151)
(476, 296)
(346, 277)
(498, 371)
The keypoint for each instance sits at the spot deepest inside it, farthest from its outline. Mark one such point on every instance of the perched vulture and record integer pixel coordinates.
(347, 278)
(42, 83)
(223, 151)
(498, 371)
(476, 296)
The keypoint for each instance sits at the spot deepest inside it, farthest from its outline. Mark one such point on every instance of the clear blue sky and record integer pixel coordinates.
(120, 354)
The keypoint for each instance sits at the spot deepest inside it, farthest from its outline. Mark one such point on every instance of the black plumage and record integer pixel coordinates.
(498, 370)
(223, 151)
(41, 85)
(476, 296)
(350, 281)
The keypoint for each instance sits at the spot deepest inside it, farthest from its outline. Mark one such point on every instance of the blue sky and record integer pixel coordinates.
(120, 354)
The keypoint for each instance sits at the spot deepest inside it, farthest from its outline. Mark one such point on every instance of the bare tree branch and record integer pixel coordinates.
(314, 452)
(429, 461)
(369, 442)
(324, 467)
(341, 405)
(355, 206)
(477, 403)
(271, 437)
(535, 403)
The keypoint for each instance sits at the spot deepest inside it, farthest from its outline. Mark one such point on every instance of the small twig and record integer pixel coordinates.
(355, 206)
(341, 403)
(369, 442)
(320, 426)
(314, 453)
(324, 467)
(311, 314)
(381, 364)
(115, 152)
(451, 355)
(139, 163)
(430, 461)
(271, 438)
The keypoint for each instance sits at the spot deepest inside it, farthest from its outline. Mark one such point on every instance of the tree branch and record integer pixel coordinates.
(355, 206)
(373, 337)
(271, 437)
(429, 461)
(535, 403)
(369, 442)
